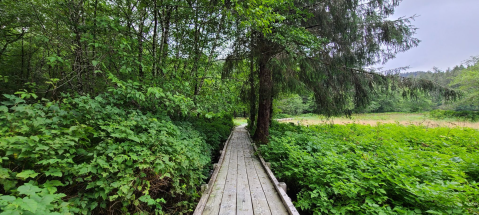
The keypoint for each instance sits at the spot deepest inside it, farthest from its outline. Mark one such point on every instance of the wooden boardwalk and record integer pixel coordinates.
(241, 184)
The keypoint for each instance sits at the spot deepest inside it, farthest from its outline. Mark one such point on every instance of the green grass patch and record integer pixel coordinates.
(384, 169)
(239, 121)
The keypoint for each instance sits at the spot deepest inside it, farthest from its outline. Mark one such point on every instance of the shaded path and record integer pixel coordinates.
(242, 185)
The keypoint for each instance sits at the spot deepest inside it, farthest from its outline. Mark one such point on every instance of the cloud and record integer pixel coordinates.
(448, 31)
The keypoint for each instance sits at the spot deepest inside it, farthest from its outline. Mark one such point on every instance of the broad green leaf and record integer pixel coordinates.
(28, 189)
(4, 173)
(36, 138)
(7, 198)
(54, 172)
(27, 174)
(134, 138)
(29, 205)
(11, 212)
(8, 184)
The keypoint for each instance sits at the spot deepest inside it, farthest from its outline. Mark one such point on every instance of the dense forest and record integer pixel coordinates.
(121, 106)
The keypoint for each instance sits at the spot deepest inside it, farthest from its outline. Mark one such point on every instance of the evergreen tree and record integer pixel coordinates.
(324, 46)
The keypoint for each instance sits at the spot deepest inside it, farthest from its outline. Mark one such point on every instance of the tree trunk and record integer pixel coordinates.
(265, 100)
(252, 78)
(93, 74)
(23, 57)
(165, 36)
(196, 56)
(155, 29)
(140, 45)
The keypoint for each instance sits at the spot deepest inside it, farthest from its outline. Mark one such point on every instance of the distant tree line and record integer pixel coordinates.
(464, 78)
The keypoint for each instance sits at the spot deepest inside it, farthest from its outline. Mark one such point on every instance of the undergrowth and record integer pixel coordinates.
(117, 153)
(472, 116)
(386, 169)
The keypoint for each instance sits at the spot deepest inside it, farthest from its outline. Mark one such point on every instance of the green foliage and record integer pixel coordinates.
(4, 79)
(472, 116)
(251, 129)
(468, 80)
(35, 201)
(292, 105)
(215, 130)
(387, 169)
(115, 153)
(384, 102)
(281, 116)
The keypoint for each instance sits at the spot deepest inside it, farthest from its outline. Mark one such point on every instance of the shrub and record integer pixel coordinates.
(100, 155)
(472, 116)
(215, 131)
(281, 116)
(388, 169)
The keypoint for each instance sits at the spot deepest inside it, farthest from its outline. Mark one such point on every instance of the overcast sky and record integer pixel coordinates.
(448, 30)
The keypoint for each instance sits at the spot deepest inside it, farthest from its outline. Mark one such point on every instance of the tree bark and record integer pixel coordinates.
(252, 78)
(196, 56)
(165, 37)
(155, 29)
(265, 100)
(140, 45)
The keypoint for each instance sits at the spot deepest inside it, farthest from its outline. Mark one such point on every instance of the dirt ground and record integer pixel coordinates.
(427, 123)
(374, 119)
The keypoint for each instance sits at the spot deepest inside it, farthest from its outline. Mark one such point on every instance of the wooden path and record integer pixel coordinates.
(241, 184)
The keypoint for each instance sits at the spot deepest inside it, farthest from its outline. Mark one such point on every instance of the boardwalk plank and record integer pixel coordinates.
(243, 197)
(275, 204)
(242, 185)
(214, 201)
(228, 203)
(259, 202)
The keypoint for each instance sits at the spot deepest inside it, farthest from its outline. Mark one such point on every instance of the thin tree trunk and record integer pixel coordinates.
(21, 71)
(155, 29)
(166, 31)
(177, 39)
(252, 116)
(29, 69)
(140, 45)
(78, 62)
(196, 57)
(93, 74)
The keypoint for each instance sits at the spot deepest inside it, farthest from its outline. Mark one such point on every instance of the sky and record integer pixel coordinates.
(448, 30)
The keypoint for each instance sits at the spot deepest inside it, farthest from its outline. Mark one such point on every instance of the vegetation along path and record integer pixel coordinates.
(241, 184)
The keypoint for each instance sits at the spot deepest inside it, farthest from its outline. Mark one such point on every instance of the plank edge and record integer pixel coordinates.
(284, 197)
(205, 196)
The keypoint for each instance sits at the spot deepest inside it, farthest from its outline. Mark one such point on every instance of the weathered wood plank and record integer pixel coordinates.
(282, 193)
(258, 199)
(242, 184)
(216, 195)
(204, 198)
(274, 201)
(243, 195)
(228, 202)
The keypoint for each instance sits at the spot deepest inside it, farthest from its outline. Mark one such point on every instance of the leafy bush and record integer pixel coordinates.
(215, 130)
(250, 126)
(291, 104)
(464, 115)
(388, 169)
(102, 155)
